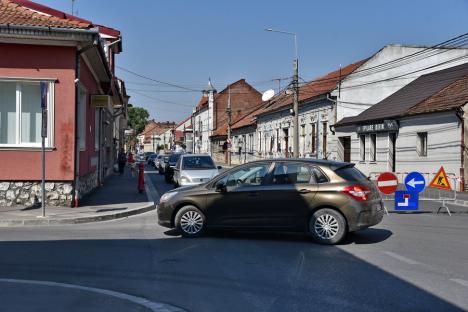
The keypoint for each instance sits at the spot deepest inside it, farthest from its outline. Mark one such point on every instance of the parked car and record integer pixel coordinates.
(193, 169)
(151, 159)
(163, 162)
(169, 167)
(148, 154)
(158, 160)
(323, 198)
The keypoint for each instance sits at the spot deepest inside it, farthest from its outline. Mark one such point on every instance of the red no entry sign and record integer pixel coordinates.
(387, 183)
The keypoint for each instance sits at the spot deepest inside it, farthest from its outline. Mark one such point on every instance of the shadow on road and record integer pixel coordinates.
(223, 272)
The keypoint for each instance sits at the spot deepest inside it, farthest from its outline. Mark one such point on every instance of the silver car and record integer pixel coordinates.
(193, 169)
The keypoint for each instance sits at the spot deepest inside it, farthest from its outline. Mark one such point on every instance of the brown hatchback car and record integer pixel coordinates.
(324, 198)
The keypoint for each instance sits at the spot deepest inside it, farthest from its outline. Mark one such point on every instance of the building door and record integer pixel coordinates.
(392, 151)
(346, 146)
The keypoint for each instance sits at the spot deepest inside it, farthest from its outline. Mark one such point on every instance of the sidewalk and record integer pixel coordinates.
(117, 198)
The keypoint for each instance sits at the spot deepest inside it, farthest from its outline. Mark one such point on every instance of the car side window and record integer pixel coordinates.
(252, 175)
(178, 163)
(291, 173)
(319, 176)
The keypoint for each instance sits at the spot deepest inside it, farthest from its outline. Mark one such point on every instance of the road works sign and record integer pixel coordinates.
(387, 183)
(440, 180)
(405, 200)
(415, 182)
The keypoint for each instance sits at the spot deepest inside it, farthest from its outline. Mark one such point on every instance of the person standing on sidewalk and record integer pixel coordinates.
(132, 163)
(122, 160)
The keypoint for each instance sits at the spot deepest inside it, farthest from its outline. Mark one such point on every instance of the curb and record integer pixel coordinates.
(79, 220)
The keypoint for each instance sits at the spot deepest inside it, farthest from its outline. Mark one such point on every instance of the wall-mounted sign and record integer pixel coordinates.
(100, 101)
(386, 125)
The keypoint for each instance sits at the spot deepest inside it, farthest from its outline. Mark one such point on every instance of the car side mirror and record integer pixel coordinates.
(219, 167)
(220, 187)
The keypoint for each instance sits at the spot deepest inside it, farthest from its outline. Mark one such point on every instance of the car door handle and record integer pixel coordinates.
(304, 191)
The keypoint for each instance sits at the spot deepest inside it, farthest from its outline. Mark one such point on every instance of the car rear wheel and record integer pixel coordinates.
(327, 226)
(190, 222)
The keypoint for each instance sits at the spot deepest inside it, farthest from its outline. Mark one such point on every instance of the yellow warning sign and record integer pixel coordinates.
(440, 180)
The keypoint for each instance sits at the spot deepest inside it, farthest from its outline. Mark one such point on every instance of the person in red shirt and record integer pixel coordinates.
(131, 162)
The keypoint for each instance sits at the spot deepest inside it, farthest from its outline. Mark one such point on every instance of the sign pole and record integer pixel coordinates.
(43, 135)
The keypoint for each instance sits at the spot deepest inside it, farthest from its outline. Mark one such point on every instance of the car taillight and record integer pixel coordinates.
(357, 192)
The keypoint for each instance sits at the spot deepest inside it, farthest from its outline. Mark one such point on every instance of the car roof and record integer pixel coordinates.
(329, 163)
(196, 155)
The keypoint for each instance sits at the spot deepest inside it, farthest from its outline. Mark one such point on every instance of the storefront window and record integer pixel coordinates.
(373, 147)
(362, 140)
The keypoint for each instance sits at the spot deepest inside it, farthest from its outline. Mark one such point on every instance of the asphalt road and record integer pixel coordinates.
(409, 262)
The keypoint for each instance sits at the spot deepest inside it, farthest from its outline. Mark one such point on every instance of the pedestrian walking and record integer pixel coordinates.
(132, 163)
(122, 160)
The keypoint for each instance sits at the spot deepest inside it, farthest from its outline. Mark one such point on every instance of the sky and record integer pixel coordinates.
(187, 42)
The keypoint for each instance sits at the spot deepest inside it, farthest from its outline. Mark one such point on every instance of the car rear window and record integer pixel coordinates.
(198, 163)
(351, 174)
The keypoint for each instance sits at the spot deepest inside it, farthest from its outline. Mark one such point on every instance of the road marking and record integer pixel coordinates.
(387, 183)
(153, 306)
(460, 281)
(401, 258)
(150, 189)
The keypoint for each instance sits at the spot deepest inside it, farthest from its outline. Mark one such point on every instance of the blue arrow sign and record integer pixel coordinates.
(415, 182)
(406, 200)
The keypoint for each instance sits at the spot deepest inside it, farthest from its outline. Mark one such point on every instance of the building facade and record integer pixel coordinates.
(420, 127)
(75, 60)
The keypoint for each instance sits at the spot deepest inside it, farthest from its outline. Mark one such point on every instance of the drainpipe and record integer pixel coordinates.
(460, 114)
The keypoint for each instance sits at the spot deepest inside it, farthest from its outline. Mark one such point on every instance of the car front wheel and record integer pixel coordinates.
(190, 222)
(327, 226)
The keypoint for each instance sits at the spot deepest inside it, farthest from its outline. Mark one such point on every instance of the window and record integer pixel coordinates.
(314, 139)
(82, 120)
(324, 139)
(96, 129)
(350, 173)
(251, 175)
(319, 176)
(362, 140)
(422, 144)
(373, 147)
(285, 173)
(21, 114)
(251, 141)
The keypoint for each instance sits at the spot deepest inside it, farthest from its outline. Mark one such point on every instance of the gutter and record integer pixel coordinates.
(50, 29)
(335, 113)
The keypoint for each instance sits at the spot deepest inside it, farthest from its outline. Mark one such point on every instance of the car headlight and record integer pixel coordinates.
(184, 180)
(167, 196)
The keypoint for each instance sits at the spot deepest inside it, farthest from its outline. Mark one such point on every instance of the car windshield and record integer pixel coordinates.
(198, 163)
(174, 158)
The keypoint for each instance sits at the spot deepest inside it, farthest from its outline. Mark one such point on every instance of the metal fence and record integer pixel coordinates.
(429, 193)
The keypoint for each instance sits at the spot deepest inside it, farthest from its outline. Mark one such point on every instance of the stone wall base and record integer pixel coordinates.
(26, 193)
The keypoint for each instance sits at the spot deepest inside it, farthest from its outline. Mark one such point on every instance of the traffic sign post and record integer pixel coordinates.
(44, 92)
(405, 200)
(387, 183)
(415, 182)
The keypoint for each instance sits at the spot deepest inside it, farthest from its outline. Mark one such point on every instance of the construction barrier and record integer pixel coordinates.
(429, 193)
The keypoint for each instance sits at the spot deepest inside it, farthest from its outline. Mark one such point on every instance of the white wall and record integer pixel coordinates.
(355, 88)
(443, 140)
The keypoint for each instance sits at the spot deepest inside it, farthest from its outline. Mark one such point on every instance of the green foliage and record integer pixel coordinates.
(137, 118)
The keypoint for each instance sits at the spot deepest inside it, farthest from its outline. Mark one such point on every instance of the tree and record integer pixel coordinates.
(137, 118)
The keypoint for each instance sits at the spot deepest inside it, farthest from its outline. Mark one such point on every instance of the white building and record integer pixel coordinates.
(384, 73)
(421, 127)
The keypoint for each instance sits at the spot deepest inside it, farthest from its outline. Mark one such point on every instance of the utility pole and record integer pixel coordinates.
(295, 83)
(229, 113)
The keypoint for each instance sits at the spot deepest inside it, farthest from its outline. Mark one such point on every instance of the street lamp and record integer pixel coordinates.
(295, 83)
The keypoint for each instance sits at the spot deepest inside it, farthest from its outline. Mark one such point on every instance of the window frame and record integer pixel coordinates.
(419, 146)
(49, 140)
(362, 148)
(373, 147)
